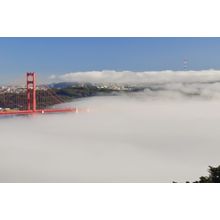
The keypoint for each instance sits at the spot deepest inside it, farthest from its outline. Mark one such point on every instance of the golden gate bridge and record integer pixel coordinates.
(32, 100)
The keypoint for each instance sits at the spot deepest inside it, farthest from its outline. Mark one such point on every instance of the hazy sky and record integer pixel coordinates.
(49, 56)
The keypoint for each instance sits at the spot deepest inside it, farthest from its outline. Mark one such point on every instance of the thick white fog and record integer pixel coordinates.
(168, 133)
(167, 76)
(120, 140)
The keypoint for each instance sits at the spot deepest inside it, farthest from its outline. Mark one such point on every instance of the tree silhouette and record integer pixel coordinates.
(214, 176)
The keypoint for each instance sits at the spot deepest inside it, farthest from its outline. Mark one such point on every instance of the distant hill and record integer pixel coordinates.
(66, 91)
(62, 85)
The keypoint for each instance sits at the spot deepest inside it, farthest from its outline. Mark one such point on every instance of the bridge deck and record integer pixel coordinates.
(39, 111)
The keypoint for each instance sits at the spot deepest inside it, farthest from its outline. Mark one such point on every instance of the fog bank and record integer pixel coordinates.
(122, 139)
(150, 77)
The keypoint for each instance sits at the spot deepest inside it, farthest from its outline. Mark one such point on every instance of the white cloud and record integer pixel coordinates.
(52, 77)
(162, 84)
(142, 77)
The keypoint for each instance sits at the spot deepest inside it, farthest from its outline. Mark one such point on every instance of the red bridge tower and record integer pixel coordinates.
(31, 92)
(32, 101)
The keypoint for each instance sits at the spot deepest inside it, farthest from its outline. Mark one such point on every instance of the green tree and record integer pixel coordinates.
(213, 177)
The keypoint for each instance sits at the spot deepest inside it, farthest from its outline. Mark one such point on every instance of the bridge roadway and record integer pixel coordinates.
(40, 111)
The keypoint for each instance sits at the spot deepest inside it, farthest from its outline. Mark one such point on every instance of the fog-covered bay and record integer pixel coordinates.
(121, 139)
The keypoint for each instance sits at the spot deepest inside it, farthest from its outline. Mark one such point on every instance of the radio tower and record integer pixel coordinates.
(185, 64)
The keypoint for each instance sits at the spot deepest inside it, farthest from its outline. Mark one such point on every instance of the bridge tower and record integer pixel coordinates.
(31, 92)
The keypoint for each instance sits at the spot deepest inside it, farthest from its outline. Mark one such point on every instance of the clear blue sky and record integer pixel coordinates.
(49, 56)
